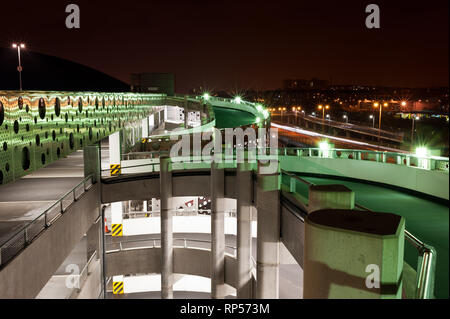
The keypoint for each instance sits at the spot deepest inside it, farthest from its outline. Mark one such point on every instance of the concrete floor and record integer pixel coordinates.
(25, 199)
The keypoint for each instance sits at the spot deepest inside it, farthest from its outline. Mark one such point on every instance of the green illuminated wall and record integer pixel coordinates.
(37, 128)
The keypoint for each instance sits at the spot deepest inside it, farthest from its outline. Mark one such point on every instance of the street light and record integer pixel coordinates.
(345, 118)
(376, 104)
(323, 108)
(373, 120)
(19, 68)
(414, 118)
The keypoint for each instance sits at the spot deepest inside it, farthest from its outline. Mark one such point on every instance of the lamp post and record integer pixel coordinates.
(345, 118)
(323, 108)
(373, 120)
(414, 118)
(19, 68)
(375, 105)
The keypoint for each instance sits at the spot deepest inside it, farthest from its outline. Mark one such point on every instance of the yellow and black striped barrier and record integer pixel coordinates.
(114, 169)
(117, 230)
(144, 140)
(118, 287)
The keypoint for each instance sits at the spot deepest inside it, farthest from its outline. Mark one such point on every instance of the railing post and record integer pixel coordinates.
(25, 236)
(292, 185)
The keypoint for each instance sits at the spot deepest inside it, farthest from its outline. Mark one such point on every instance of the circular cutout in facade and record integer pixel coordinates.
(57, 107)
(20, 103)
(71, 141)
(66, 117)
(16, 126)
(1, 177)
(90, 133)
(41, 108)
(2, 113)
(80, 105)
(25, 158)
(5, 146)
(7, 167)
(38, 140)
(53, 135)
(43, 158)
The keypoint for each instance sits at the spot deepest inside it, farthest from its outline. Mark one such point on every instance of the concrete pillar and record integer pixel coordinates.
(114, 148)
(352, 254)
(330, 196)
(268, 234)
(244, 230)
(151, 122)
(166, 228)
(145, 127)
(218, 289)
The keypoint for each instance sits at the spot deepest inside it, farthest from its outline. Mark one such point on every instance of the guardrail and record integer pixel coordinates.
(427, 254)
(425, 162)
(156, 243)
(411, 160)
(23, 237)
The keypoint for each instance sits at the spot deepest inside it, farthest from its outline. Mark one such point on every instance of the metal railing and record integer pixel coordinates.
(23, 237)
(426, 264)
(404, 159)
(156, 243)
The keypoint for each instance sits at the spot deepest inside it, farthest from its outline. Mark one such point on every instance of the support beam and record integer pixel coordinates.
(268, 234)
(166, 228)
(218, 289)
(244, 230)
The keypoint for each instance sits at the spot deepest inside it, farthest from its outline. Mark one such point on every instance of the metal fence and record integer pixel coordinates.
(17, 242)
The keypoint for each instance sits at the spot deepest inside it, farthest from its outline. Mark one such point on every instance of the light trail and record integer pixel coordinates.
(340, 139)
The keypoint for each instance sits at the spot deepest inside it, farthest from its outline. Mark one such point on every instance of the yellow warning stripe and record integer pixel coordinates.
(114, 169)
(117, 229)
(144, 140)
(118, 287)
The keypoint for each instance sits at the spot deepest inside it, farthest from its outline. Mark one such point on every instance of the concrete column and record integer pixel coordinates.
(166, 228)
(350, 254)
(268, 232)
(145, 127)
(244, 230)
(114, 148)
(330, 196)
(218, 290)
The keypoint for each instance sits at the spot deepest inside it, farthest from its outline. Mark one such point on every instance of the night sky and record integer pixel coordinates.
(242, 44)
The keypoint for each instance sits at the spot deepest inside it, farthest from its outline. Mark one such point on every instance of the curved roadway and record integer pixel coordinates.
(426, 219)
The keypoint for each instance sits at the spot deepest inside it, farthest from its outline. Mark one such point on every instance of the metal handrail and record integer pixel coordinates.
(186, 240)
(426, 264)
(25, 235)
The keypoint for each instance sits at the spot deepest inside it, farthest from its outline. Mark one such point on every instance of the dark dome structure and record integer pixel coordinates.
(47, 73)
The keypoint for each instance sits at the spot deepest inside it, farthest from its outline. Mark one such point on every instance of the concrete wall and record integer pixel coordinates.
(189, 261)
(435, 183)
(293, 234)
(26, 274)
(147, 188)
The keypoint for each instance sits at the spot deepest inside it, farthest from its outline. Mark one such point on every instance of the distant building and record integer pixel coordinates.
(153, 83)
(312, 84)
